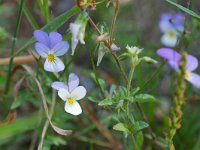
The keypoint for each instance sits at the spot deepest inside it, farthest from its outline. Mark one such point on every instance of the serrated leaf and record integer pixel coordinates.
(106, 102)
(139, 125)
(145, 98)
(188, 11)
(120, 127)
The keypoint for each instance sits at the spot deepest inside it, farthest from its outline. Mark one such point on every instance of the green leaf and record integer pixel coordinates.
(106, 102)
(134, 91)
(139, 140)
(102, 50)
(145, 98)
(188, 11)
(52, 25)
(23, 97)
(139, 125)
(120, 127)
(92, 99)
(29, 17)
(123, 56)
(8, 131)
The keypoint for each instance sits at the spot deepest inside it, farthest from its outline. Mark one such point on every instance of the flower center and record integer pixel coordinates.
(171, 34)
(70, 101)
(187, 75)
(51, 57)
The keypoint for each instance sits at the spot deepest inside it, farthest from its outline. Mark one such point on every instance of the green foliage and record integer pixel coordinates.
(186, 10)
(24, 96)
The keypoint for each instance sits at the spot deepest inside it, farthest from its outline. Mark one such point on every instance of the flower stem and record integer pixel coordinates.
(13, 46)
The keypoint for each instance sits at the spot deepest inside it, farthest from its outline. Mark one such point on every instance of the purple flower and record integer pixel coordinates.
(171, 26)
(114, 47)
(50, 47)
(173, 58)
(70, 93)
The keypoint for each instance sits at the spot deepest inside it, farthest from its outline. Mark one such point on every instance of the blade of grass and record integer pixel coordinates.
(29, 17)
(186, 10)
(43, 4)
(52, 25)
(13, 46)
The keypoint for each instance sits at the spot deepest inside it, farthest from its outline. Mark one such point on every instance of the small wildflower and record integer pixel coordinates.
(114, 47)
(50, 47)
(70, 93)
(173, 58)
(134, 50)
(78, 30)
(171, 26)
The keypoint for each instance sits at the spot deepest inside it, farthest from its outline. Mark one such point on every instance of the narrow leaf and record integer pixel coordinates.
(188, 11)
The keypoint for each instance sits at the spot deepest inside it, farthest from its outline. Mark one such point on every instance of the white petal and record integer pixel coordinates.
(74, 109)
(55, 66)
(63, 94)
(78, 93)
(169, 41)
(194, 79)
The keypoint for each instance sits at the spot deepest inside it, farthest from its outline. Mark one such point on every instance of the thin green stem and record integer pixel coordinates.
(13, 46)
(95, 72)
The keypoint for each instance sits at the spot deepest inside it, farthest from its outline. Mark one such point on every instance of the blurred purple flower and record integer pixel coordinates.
(70, 93)
(78, 30)
(171, 26)
(49, 47)
(173, 58)
(114, 47)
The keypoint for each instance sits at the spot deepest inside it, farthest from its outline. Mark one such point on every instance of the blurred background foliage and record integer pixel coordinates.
(137, 24)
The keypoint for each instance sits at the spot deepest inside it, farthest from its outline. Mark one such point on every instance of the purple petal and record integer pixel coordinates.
(178, 21)
(54, 38)
(61, 48)
(41, 37)
(58, 85)
(164, 23)
(168, 54)
(42, 49)
(194, 79)
(55, 66)
(172, 56)
(192, 63)
(73, 81)
(174, 64)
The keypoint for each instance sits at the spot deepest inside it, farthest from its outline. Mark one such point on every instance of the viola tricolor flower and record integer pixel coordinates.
(78, 30)
(173, 58)
(171, 26)
(50, 47)
(70, 93)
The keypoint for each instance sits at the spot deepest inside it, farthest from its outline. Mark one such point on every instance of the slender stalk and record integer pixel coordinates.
(13, 46)
(112, 28)
(46, 125)
(112, 52)
(95, 72)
